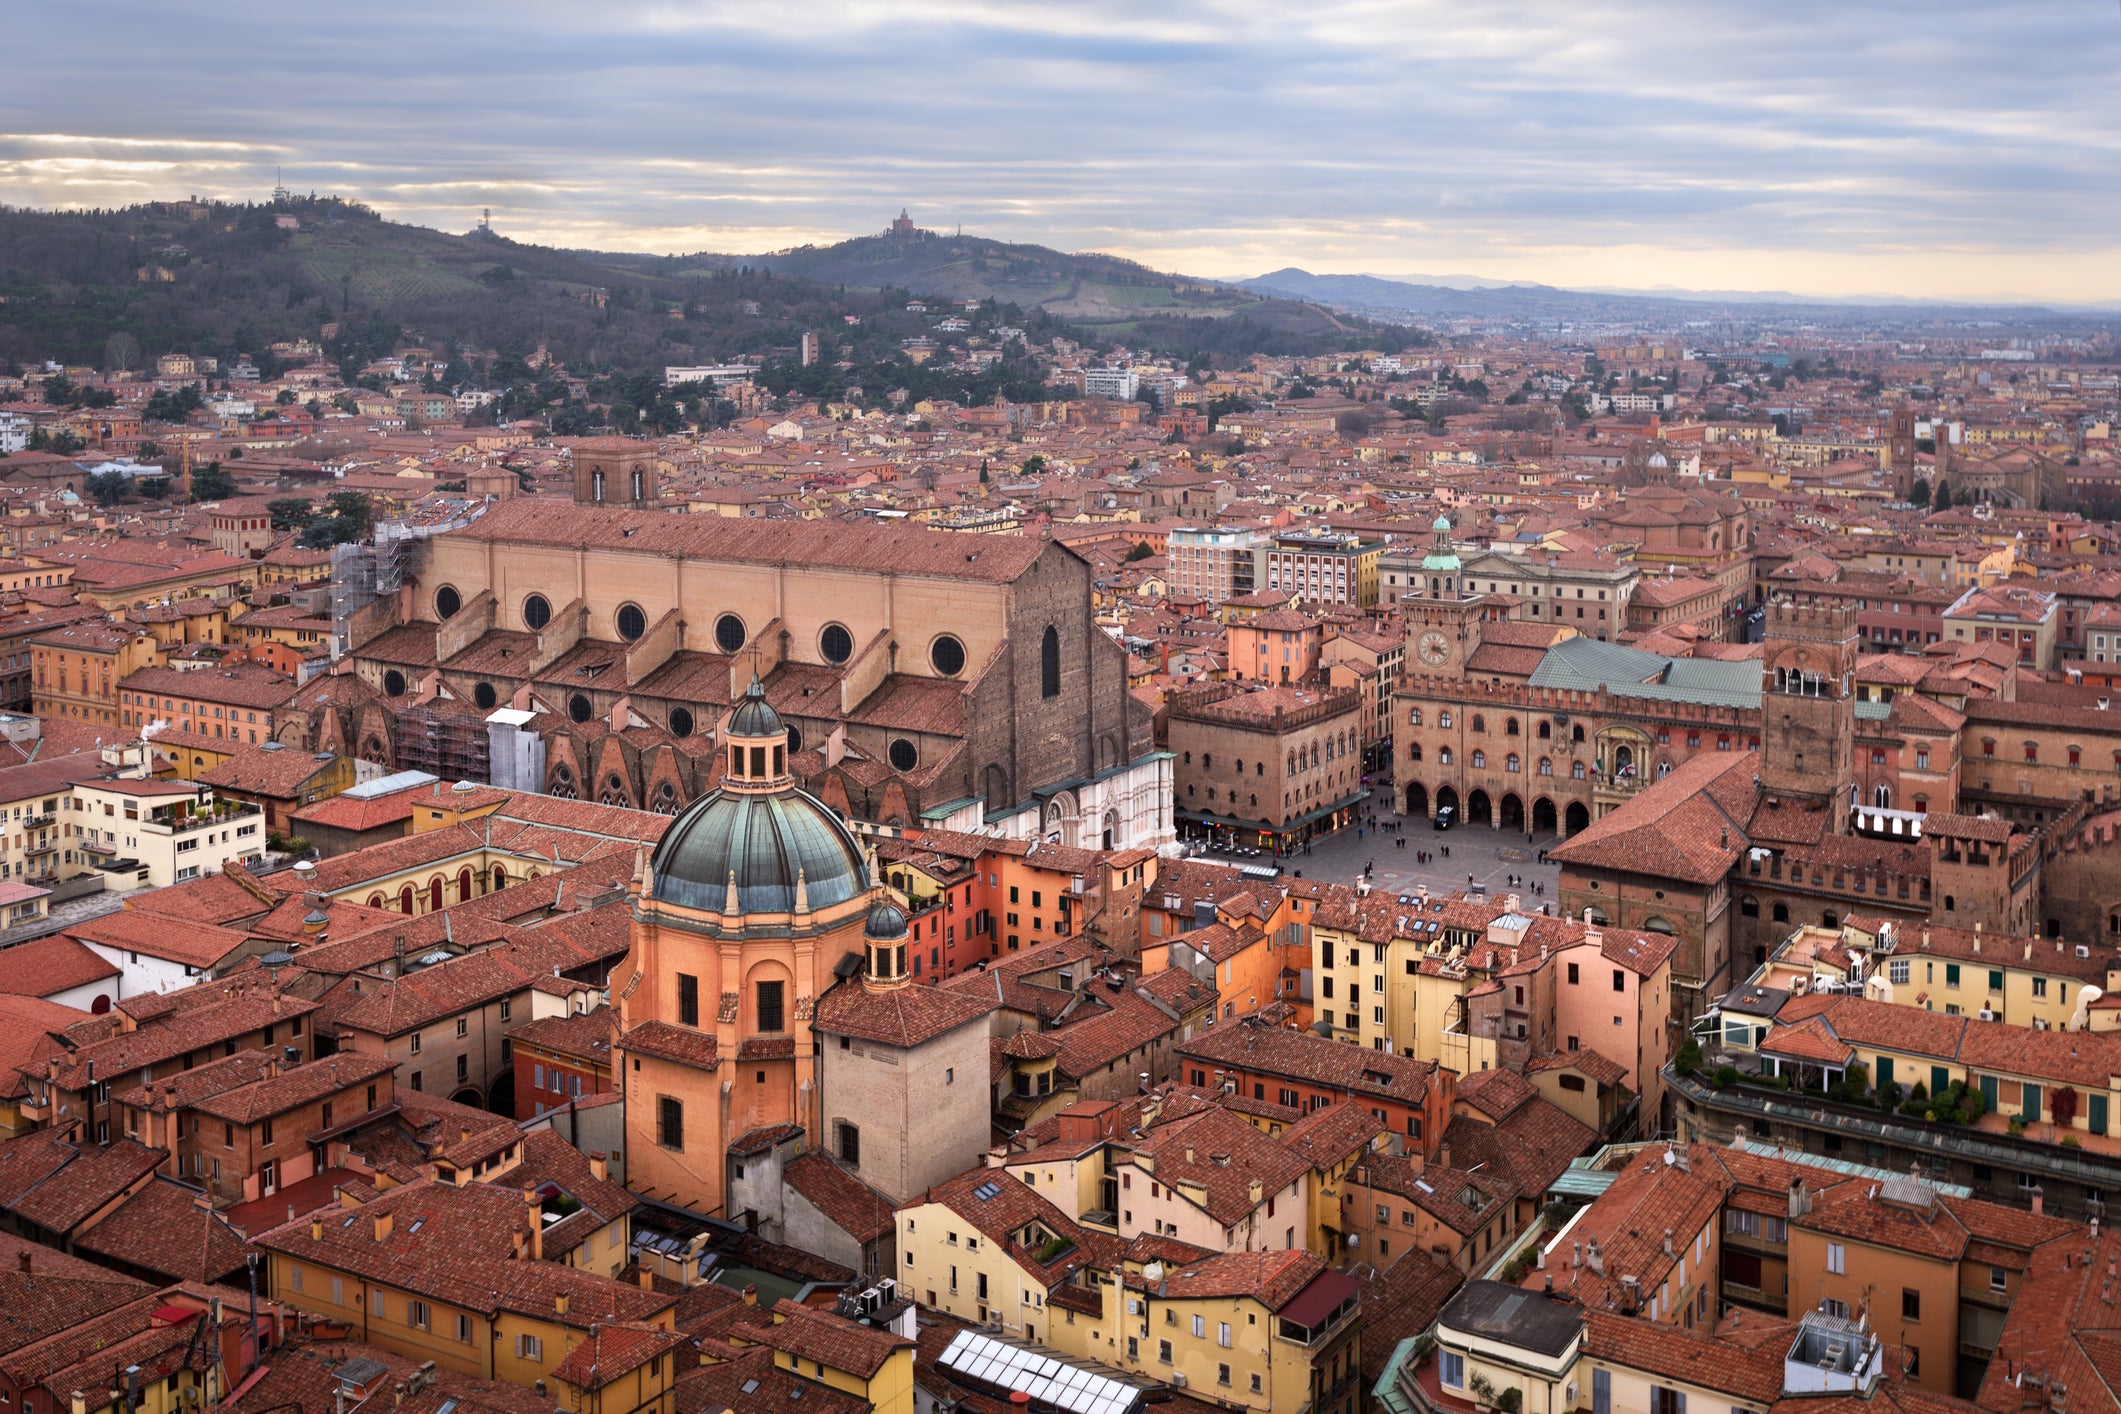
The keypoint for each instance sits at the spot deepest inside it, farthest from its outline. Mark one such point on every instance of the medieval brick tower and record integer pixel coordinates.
(1900, 451)
(1808, 708)
(615, 471)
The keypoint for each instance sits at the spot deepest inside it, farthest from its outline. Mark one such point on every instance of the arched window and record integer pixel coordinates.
(1546, 766)
(1576, 770)
(434, 894)
(1414, 720)
(1480, 760)
(375, 900)
(1830, 919)
(1749, 907)
(1414, 752)
(1546, 731)
(1883, 797)
(1443, 755)
(1781, 913)
(500, 878)
(1510, 763)
(1049, 663)
(1509, 727)
(1480, 723)
(1576, 732)
(1443, 719)
(405, 900)
(1658, 925)
(464, 885)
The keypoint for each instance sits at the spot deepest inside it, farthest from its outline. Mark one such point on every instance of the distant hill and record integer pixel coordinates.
(234, 278)
(1380, 298)
(1102, 296)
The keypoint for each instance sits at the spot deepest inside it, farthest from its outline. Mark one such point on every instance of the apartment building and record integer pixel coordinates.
(1325, 567)
(449, 1025)
(559, 1059)
(1251, 1331)
(77, 669)
(458, 1275)
(1302, 1071)
(36, 846)
(149, 833)
(196, 1025)
(246, 1126)
(1212, 564)
(236, 703)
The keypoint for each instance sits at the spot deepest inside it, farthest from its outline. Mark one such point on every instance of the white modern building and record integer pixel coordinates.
(151, 834)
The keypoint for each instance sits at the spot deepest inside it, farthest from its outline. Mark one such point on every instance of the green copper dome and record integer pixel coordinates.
(765, 839)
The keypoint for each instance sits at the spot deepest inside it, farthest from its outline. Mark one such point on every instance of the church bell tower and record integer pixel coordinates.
(615, 471)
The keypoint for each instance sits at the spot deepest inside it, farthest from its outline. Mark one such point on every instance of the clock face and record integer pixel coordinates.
(1434, 648)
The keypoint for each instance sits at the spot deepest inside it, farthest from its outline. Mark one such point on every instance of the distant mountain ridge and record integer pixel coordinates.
(1398, 299)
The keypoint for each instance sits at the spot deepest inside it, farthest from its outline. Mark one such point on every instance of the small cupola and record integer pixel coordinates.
(885, 935)
(756, 741)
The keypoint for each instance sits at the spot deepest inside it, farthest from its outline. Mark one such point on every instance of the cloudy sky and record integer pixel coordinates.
(1849, 147)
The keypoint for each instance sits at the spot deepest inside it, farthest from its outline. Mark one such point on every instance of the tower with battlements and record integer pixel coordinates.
(1808, 707)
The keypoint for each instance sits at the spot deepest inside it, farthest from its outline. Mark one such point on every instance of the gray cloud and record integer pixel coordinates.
(1918, 148)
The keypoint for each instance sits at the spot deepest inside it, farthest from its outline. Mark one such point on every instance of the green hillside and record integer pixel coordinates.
(85, 287)
(1103, 297)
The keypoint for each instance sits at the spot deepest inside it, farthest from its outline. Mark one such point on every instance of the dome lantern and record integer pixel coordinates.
(885, 934)
(757, 743)
(757, 844)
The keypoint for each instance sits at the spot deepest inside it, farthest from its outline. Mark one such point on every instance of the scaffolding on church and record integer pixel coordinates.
(444, 740)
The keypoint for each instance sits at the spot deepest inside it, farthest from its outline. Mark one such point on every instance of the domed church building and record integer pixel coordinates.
(752, 906)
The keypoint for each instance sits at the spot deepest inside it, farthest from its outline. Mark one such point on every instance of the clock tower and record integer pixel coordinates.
(1443, 621)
